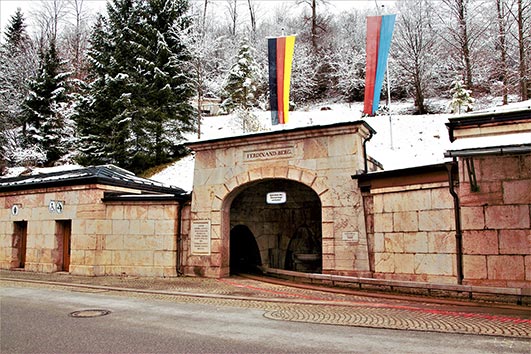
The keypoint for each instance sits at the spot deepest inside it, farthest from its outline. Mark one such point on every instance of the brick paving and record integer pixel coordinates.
(281, 302)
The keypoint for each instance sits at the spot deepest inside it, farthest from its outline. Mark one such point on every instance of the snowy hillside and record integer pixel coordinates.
(401, 140)
(416, 140)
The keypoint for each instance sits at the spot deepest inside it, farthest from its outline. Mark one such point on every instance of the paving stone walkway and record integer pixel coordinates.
(286, 303)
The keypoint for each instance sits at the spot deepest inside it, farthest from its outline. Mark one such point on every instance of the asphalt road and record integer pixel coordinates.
(37, 320)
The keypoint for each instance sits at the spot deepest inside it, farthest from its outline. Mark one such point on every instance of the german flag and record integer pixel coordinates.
(280, 52)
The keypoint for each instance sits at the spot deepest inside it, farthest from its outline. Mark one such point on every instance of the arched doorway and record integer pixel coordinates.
(244, 253)
(286, 232)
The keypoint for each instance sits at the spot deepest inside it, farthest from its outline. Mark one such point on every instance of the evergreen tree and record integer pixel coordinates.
(94, 132)
(242, 88)
(460, 97)
(16, 36)
(17, 64)
(243, 80)
(45, 107)
(138, 102)
(165, 79)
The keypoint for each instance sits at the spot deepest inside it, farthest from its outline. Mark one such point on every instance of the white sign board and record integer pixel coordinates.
(200, 237)
(15, 209)
(276, 198)
(51, 206)
(59, 207)
(350, 236)
(56, 206)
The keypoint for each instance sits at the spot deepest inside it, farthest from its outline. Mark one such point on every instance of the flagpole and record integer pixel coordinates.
(388, 96)
(389, 104)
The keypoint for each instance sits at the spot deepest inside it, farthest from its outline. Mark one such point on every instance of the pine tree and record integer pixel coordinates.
(460, 97)
(45, 105)
(242, 88)
(138, 101)
(167, 87)
(104, 112)
(94, 132)
(17, 64)
(243, 80)
(15, 33)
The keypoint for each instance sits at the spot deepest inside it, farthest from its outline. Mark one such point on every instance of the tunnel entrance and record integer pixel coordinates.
(244, 253)
(276, 232)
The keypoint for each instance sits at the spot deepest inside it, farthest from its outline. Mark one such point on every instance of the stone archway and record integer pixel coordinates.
(321, 159)
(288, 234)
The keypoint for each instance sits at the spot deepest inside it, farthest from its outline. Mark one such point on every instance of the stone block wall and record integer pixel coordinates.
(134, 238)
(184, 246)
(411, 232)
(496, 221)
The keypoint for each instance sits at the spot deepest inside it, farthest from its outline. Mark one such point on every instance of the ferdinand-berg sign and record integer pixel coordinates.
(282, 152)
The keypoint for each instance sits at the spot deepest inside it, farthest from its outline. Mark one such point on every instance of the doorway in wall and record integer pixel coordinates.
(63, 231)
(281, 220)
(244, 253)
(20, 236)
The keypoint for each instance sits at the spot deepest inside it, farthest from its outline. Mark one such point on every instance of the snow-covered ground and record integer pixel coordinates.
(401, 141)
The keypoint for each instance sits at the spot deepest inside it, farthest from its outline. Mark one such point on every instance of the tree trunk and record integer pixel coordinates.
(204, 16)
(419, 95)
(199, 70)
(233, 13)
(314, 25)
(252, 13)
(465, 51)
(503, 49)
(524, 89)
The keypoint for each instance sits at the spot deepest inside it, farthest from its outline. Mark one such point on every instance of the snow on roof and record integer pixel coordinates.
(511, 107)
(104, 174)
(500, 142)
(480, 142)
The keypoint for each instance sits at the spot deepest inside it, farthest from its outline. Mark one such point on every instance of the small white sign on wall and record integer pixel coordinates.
(351, 236)
(51, 206)
(200, 237)
(276, 198)
(15, 209)
(56, 206)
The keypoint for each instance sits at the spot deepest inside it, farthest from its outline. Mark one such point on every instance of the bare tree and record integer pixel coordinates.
(415, 43)
(460, 36)
(49, 19)
(523, 19)
(204, 43)
(76, 37)
(252, 14)
(316, 23)
(465, 33)
(232, 9)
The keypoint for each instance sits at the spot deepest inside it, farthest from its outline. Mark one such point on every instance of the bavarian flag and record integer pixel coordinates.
(379, 34)
(280, 53)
